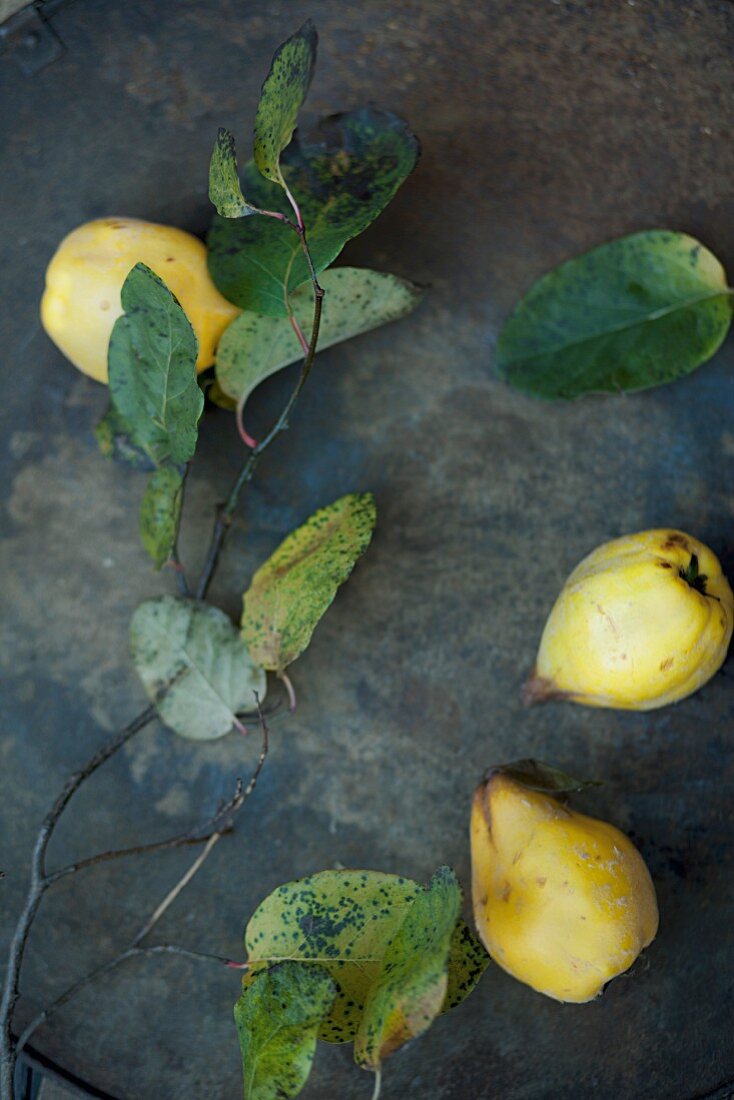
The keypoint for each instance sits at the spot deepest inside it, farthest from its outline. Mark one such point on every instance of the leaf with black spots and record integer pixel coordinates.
(152, 370)
(194, 666)
(292, 590)
(225, 192)
(537, 776)
(342, 179)
(357, 300)
(160, 513)
(631, 314)
(277, 1019)
(410, 988)
(283, 93)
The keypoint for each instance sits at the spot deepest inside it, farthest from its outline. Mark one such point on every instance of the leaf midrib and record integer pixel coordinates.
(650, 318)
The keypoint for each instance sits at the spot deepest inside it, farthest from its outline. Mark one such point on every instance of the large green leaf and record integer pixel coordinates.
(283, 92)
(152, 369)
(344, 920)
(642, 310)
(277, 1019)
(292, 590)
(194, 666)
(255, 346)
(342, 180)
(225, 192)
(410, 988)
(160, 513)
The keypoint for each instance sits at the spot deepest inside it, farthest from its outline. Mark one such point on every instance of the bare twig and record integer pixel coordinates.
(38, 885)
(136, 948)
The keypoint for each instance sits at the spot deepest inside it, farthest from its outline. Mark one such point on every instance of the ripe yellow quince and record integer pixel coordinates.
(83, 281)
(643, 621)
(563, 902)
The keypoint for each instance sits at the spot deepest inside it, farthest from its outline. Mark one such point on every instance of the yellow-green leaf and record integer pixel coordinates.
(410, 988)
(283, 92)
(160, 513)
(225, 192)
(292, 590)
(277, 1018)
(255, 346)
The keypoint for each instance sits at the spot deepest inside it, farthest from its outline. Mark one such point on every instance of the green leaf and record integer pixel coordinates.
(538, 776)
(342, 179)
(255, 346)
(225, 192)
(114, 440)
(194, 666)
(152, 369)
(344, 920)
(277, 1019)
(292, 590)
(468, 960)
(283, 92)
(635, 313)
(160, 513)
(340, 919)
(409, 991)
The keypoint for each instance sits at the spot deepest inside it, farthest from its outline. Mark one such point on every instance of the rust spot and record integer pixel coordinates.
(104, 305)
(675, 539)
(169, 259)
(506, 891)
(665, 564)
(541, 881)
(516, 857)
(666, 664)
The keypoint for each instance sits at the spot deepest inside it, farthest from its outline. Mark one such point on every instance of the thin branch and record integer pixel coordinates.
(38, 885)
(136, 948)
(226, 513)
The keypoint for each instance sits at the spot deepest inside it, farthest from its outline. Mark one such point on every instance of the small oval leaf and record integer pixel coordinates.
(152, 369)
(538, 776)
(277, 1018)
(410, 988)
(292, 590)
(160, 513)
(194, 666)
(255, 346)
(283, 92)
(225, 192)
(631, 314)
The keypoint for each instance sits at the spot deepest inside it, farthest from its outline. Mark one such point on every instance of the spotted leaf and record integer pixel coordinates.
(160, 513)
(283, 92)
(343, 177)
(277, 1019)
(225, 192)
(292, 590)
(410, 988)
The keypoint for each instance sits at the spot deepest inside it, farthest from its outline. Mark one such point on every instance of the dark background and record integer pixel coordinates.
(547, 127)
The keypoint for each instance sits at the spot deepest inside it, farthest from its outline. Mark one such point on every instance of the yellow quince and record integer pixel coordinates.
(563, 902)
(84, 278)
(643, 621)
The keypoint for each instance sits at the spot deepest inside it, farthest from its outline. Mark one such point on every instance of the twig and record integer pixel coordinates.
(135, 947)
(38, 885)
(226, 512)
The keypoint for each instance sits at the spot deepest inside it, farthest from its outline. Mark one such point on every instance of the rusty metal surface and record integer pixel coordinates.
(547, 127)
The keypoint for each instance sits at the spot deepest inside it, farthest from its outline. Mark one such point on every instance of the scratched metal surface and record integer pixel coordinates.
(547, 128)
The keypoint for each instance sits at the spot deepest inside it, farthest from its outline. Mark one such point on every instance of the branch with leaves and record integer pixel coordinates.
(269, 254)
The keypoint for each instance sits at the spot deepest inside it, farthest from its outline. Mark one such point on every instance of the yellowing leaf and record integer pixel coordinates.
(295, 586)
(277, 1019)
(194, 666)
(225, 192)
(411, 985)
(160, 513)
(255, 346)
(283, 92)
